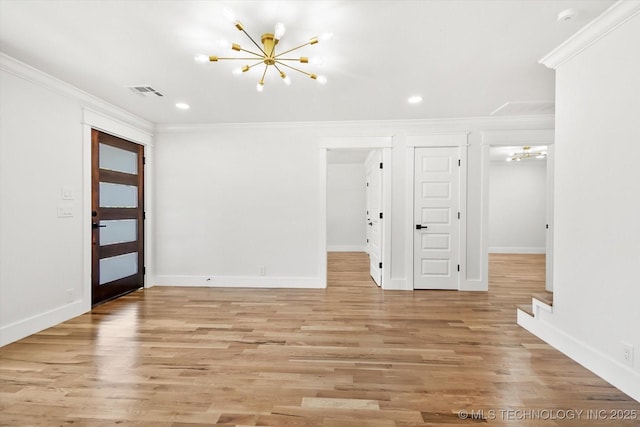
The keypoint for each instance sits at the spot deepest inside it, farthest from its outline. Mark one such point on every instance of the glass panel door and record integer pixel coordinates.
(117, 216)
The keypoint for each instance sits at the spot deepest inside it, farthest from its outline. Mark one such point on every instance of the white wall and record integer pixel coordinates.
(597, 201)
(517, 206)
(43, 258)
(232, 201)
(40, 254)
(233, 198)
(346, 207)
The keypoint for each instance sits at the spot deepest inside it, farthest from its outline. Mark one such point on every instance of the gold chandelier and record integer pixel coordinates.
(267, 54)
(526, 154)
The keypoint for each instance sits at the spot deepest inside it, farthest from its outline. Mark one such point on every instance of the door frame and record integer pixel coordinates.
(441, 140)
(520, 138)
(385, 143)
(95, 120)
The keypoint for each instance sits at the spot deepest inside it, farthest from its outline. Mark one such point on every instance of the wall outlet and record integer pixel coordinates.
(627, 353)
(262, 270)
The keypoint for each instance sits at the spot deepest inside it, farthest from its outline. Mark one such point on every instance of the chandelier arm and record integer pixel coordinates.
(291, 50)
(293, 68)
(264, 73)
(252, 53)
(244, 59)
(254, 42)
(251, 66)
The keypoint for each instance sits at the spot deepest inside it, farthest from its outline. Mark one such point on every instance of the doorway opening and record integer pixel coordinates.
(354, 208)
(520, 190)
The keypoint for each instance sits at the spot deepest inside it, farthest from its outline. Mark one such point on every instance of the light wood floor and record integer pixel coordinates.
(350, 355)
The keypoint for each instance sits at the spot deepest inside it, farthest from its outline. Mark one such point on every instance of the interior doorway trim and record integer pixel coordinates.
(385, 143)
(506, 138)
(92, 119)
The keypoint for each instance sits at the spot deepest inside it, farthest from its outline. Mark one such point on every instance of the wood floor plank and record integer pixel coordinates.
(348, 355)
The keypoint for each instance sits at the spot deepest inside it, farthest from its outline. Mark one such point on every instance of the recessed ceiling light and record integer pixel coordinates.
(182, 106)
(416, 99)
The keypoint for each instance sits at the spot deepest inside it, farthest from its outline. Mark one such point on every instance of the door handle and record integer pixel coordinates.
(96, 225)
(420, 227)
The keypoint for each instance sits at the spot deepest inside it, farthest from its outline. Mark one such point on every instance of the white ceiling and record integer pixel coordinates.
(466, 58)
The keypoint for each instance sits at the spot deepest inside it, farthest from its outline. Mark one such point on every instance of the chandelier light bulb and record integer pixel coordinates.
(279, 31)
(260, 86)
(326, 36)
(322, 80)
(201, 59)
(237, 71)
(286, 79)
(224, 44)
(509, 159)
(316, 60)
(229, 15)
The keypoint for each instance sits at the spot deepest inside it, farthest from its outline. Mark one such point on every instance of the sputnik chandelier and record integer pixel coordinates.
(267, 54)
(526, 154)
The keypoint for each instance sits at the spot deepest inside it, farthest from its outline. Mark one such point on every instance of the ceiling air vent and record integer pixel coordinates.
(144, 90)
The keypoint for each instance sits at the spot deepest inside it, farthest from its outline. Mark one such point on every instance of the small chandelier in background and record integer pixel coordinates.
(526, 154)
(267, 55)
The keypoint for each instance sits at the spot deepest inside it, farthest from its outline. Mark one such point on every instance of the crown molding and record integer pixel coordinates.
(40, 78)
(378, 128)
(609, 20)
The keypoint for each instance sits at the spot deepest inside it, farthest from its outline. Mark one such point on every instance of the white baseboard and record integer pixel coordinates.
(617, 374)
(346, 248)
(473, 285)
(241, 282)
(24, 328)
(517, 250)
(396, 285)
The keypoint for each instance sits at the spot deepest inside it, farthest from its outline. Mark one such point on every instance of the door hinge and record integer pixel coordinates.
(458, 267)
(144, 215)
(144, 270)
(380, 265)
(458, 215)
(367, 240)
(367, 184)
(380, 165)
(144, 160)
(546, 226)
(458, 162)
(380, 215)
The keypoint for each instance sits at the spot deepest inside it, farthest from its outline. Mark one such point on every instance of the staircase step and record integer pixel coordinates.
(527, 308)
(545, 297)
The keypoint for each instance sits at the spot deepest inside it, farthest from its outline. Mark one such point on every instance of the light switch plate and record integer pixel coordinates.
(65, 211)
(67, 193)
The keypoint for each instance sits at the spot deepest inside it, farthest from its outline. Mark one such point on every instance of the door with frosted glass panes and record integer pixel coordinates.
(117, 213)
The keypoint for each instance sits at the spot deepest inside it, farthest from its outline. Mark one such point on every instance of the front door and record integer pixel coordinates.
(117, 204)
(436, 218)
(374, 215)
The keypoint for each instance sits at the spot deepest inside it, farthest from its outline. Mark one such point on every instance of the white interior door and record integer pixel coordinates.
(436, 216)
(374, 215)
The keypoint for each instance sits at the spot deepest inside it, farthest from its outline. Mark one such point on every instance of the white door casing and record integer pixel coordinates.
(374, 215)
(436, 218)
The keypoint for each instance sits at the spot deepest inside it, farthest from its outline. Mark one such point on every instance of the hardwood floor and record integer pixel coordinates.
(350, 355)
